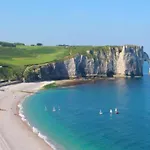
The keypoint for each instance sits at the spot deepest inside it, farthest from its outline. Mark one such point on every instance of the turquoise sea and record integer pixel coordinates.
(78, 125)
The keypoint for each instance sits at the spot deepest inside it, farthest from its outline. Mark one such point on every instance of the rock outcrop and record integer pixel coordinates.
(116, 61)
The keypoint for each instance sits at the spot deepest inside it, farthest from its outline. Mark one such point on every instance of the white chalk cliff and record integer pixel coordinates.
(123, 61)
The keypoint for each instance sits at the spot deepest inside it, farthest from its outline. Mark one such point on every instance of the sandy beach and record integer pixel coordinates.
(14, 133)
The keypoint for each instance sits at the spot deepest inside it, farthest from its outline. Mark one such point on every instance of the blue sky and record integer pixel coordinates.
(88, 22)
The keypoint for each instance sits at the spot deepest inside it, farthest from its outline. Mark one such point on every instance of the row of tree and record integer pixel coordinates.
(11, 73)
(8, 44)
(38, 44)
(62, 45)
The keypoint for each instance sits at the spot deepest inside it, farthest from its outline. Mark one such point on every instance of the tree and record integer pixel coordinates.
(39, 44)
(6, 44)
(6, 73)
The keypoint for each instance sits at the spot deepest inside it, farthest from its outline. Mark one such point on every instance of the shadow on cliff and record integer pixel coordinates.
(57, 71)
(110, 73)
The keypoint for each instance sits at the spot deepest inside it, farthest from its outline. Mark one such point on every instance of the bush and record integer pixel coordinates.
(39, 44)
(49, 86)
(18, 72)
(11, 73)
(5, 44)
(6, 73)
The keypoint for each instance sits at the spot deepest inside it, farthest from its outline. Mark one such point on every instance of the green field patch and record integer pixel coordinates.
(26, 55)
(50, 86)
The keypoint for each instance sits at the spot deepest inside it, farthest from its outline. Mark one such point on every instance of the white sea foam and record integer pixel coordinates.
(19, 105)
(24, 120)
(20, 111)
(35, 130)
(41, 136)
(21, 115)
(28, 124)
(46, 141)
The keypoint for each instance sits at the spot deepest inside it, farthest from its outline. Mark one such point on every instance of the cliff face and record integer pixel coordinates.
(125, 61)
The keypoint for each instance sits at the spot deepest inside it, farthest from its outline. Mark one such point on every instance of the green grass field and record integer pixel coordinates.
(29, 55)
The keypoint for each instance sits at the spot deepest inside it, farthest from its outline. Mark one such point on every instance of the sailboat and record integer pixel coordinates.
(116, 111)
(54, 109)
(58, 108)
(100, 112)
(110, 111)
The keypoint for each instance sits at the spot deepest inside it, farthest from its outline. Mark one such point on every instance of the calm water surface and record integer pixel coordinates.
(78, 125)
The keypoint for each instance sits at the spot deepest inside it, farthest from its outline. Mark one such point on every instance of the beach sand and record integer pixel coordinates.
(14, 133)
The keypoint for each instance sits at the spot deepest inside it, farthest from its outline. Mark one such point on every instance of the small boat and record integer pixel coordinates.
(110, 111)
(116, 111)
(54, 109)
(59, 108)
(100, 112)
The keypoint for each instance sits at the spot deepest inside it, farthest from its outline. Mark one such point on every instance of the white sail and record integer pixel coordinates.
(110, 111)
(59, 108)
(54, 109)
(100, 112)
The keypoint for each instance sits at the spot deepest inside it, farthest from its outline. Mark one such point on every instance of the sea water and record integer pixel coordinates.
(77, 125)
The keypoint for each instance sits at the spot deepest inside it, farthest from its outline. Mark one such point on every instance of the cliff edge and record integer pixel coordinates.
(115, 61)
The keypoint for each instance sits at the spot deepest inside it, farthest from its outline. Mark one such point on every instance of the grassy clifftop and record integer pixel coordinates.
(29, 55)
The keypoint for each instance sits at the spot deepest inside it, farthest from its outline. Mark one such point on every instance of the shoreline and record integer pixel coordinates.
(23, 118)
(82, 79)
(12, 127)
(74, 82)
(33, 129)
